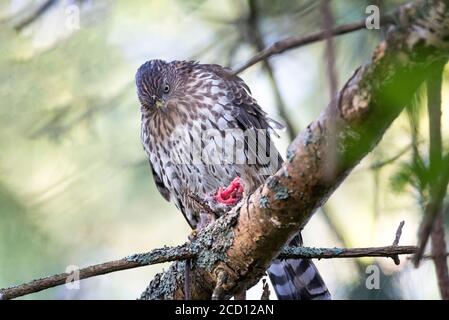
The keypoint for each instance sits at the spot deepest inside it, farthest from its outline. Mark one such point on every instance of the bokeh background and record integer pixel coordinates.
(75, 187)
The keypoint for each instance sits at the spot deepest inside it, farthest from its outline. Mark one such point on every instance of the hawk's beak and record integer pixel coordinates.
(159, 104)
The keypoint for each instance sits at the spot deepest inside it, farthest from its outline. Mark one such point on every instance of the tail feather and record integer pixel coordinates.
(297, 279)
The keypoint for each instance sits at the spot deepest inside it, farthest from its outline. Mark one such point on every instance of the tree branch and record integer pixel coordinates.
(332, 253)
(44, 7)
(184, 252)
(440, 256)
(258, 43)
(434, 86)
(383, 163)
(240, 245)
(298, 41)
(161, 255)
(328, 22)
(432, 209)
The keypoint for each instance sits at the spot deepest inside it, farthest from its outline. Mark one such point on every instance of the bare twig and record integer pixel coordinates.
(298, 41)
(431, 256)
(396, 242)
(256, 38)
(328, 25)
(332, 253)
(380, 164)
(398, 234)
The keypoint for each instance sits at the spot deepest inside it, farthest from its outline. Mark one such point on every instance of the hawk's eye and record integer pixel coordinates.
(166, 88)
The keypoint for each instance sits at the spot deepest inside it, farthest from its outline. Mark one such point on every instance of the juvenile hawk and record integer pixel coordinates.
(202, 130)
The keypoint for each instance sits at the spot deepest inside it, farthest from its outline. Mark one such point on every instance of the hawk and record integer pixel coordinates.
(203, 130)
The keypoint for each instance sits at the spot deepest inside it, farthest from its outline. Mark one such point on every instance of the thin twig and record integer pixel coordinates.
(431, 256)
(398, 233)
(257, 41)
(331, 253)
(380, 164)
(328, 22)
(44, 7)
(298, 41)
(396, 242)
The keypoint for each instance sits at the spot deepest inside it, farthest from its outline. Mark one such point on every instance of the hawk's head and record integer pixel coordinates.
(159, 82)
(154, 83)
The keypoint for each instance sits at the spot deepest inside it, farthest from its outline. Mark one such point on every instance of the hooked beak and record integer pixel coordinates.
(159, 104)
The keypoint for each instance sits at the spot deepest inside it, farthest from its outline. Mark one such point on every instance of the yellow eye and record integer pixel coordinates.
(166, 88)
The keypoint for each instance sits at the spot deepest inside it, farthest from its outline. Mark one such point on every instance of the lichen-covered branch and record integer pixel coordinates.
(138, 260)
(332, 253)
(240, 246)
(185, 252)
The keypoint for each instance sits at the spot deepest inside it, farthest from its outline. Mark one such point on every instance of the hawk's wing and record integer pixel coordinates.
(247, 114)
(160, 184)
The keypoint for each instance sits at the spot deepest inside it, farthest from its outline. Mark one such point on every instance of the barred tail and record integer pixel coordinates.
(297, 279)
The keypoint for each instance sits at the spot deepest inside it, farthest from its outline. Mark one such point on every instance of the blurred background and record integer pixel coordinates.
(75, 185)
